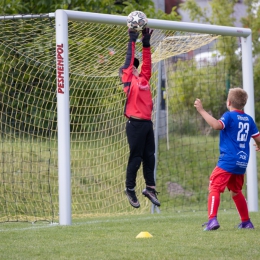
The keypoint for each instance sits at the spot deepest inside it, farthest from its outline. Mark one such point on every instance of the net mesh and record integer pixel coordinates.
(99, 150)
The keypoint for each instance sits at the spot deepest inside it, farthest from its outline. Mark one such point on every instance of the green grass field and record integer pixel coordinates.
(175, 236)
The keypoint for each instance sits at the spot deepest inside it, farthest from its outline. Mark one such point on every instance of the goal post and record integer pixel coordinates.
(248, 85)
(63, 113)
(62, 18)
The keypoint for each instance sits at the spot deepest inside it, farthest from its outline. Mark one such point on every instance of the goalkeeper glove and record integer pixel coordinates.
(133, 35)
(146, 37)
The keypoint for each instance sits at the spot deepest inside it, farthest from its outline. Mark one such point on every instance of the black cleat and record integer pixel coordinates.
(132, 198)
(151, 194)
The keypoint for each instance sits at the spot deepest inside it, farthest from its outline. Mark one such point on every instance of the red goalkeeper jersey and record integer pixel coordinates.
(139, 101)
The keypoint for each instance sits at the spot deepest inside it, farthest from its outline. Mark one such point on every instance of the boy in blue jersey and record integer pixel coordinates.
(236, 128)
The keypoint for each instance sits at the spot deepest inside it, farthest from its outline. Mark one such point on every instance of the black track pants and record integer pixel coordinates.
(140, 138)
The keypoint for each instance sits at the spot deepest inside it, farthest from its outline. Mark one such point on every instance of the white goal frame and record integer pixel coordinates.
(63, 107)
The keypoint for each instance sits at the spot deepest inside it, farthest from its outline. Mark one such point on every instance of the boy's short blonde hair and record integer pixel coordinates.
(237, 97)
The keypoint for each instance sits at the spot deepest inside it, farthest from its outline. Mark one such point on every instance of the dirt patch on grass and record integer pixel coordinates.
(174, 189)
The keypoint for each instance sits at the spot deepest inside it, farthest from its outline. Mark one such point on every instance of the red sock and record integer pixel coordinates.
(213, 204)
(241, 205)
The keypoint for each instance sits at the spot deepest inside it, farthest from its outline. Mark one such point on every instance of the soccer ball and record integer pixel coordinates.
(137, 20)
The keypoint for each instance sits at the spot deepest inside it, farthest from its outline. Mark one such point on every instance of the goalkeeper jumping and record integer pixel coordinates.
(138, 110)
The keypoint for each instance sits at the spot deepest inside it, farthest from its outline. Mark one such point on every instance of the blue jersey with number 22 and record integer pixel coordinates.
(238, 128)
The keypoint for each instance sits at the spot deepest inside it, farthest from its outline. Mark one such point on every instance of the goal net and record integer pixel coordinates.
(187, 149)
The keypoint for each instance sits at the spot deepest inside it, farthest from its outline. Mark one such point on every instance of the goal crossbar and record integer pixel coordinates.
(157, 24)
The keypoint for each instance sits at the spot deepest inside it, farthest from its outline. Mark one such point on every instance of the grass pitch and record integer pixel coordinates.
(175, 236)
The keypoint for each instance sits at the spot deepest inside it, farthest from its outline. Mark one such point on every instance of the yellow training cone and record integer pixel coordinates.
(144, 235)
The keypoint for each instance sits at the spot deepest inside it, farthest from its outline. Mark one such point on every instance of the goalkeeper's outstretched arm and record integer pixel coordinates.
(126, 71)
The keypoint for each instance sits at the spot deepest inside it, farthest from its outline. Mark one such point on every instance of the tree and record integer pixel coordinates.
(121, 7)
(221, 14)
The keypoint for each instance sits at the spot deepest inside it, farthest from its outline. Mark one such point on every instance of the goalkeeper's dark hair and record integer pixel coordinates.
(136, 62)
